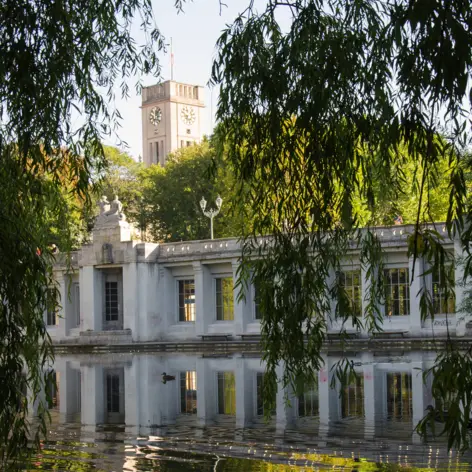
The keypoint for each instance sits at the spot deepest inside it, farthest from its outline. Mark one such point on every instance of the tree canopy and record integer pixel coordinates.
(325, 110)
(61, 64)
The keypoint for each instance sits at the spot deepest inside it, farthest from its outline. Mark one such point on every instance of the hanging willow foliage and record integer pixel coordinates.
(321, 103)
(61, 64)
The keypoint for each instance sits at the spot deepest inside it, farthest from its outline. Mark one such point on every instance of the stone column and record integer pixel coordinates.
(416, 284)
(421, 394)
(285, 413)
(204, 298)
(461, 318)
(244, 394)
(131, 300)
(373, 395)
(149, 301)
(64, 304)
(242, 308)
(328, 397)
(206, 393)
(91, 288)
(92, 396)
(69, 390)
(167, 310)
(132, 396)
(364, 296)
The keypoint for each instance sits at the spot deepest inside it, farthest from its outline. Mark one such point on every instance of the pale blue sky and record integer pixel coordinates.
(194, 34)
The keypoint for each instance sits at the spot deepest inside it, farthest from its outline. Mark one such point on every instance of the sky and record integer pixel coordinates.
(194, 34)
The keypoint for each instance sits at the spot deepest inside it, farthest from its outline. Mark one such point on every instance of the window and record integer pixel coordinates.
(51, 319)
(308, 401)
(397, 292)
(259, 395)
(353, 398)
(443, 299)
(399, 395)
(52, 389)
(351, 281)
(226, 393)
(156, 144)
(189, 143)
(187, 300)
(188, 392)
(113, 393)
(181, 143)
(224, 299)
(77, 303)
(111, 301)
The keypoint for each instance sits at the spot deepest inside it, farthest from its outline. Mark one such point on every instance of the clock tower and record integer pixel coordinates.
(172, 118)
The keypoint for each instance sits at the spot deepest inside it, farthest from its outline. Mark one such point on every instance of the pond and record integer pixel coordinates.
(116, 411)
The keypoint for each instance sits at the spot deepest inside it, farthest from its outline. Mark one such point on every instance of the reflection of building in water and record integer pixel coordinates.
(115, 397)
(128, 389)
(124, 290)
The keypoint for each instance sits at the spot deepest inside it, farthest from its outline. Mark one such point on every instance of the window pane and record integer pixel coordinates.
(187, 300)
(308, 401)
(188, 392)
(397, 292)
(351, 281)
(353, 398)
(111, 301)
(226, 393)
(443, 291)
(51, 319)
(224, 299)
(399, 395)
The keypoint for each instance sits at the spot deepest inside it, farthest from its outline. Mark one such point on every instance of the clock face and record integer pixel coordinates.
(155, 116)
(188, 115)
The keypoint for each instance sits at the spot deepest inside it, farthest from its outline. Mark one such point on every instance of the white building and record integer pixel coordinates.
(124, 290)
(172, 118)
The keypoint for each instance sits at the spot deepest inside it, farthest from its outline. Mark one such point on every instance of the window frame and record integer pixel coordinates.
(449, 265)
(180, 396)
(217, 375)
(215, 297)
(185, 279)
(390, 267)
(51, 313)
(351, 269)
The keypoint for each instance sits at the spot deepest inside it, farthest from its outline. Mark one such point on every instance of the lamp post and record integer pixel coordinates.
(211, 213)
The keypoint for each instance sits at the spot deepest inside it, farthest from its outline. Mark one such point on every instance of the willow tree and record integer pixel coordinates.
(318, 99)
(61, 65)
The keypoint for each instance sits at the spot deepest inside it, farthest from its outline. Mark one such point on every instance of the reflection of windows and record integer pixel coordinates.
(399, 395)
(52, 389)
(351, 281)
(259, 395)
(397, 292)
(226, 393)
(188, 392)
(77, 303)
(113, 393)
(443, 301)
(51, 318)
(111, 301)
(187, 300)
(224, 299)
(353, 398)
(308, 401)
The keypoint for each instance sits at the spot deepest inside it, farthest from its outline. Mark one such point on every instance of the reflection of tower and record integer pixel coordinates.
(172, 118)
